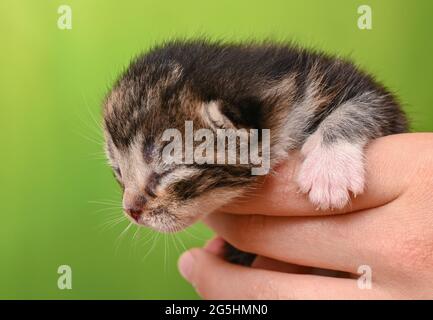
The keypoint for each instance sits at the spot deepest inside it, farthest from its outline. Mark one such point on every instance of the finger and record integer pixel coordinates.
(275, 265)
(342, 242)
(387, 175)
(215, 246)
(215, 278)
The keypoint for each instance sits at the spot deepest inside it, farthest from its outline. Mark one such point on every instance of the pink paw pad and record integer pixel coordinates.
(329, 173)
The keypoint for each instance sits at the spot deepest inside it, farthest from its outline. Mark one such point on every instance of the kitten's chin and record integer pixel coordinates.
(166, 223)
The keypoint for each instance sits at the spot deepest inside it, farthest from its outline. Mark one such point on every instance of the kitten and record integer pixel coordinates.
(321, 105)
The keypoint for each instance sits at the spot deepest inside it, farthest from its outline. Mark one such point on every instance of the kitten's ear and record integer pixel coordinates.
(214, 116)
(245, 114)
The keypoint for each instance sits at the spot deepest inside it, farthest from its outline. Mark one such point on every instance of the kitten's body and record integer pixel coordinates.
(321, 105)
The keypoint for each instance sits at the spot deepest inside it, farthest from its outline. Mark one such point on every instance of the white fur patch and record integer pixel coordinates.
(329, 172)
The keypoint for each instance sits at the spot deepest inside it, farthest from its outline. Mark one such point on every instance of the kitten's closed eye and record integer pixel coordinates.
(153, 182)
(166, 177)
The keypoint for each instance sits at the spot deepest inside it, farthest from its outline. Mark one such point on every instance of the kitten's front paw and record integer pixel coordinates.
(330, 172)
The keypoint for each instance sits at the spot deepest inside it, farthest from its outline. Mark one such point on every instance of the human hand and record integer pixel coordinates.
(389, 229)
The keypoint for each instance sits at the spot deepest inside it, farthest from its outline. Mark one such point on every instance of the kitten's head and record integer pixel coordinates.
(146, 101)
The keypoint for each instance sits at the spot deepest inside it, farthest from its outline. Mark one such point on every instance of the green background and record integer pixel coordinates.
(58, 198)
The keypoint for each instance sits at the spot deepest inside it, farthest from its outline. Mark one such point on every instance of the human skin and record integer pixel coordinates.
(388, 228)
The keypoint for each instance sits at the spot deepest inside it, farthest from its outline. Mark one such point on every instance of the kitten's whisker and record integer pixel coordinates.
(182, 243)
(193, 236)
(107, 225)
(165, 253)
(173, 238)
(98, 129)
(92, 117)
(100, 143)
(106, 200)
(155, 240)
(112, 211)
(147, 238)
(137, 237)
(121, 235)
(115, 204)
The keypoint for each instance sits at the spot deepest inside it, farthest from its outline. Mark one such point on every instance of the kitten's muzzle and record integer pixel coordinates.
(134, 204)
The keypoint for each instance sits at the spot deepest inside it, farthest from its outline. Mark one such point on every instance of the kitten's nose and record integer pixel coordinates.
(134, 213)
(134, 204)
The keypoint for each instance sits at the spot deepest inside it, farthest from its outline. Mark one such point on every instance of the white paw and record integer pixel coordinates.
(329, 173)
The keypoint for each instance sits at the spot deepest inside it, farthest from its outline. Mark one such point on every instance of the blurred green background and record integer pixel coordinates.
(59, 202)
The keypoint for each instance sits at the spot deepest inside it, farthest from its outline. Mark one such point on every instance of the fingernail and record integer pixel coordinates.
(185, 265)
